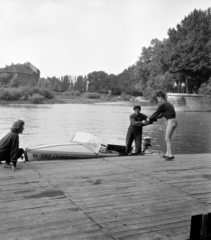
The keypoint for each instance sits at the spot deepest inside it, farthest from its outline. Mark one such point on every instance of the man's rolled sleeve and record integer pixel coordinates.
(157, 112)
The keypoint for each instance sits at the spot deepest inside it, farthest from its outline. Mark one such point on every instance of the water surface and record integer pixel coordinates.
(57, 124)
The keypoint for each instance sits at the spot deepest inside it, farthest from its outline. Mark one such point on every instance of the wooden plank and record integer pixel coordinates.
(27, 204)
(112, 198)
(128, 234)
(47, 229)
(121, 217)
(89, 235)
(176, 234)
(28, 216)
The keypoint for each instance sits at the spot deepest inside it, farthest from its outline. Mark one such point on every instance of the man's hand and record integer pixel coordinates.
(144, 123)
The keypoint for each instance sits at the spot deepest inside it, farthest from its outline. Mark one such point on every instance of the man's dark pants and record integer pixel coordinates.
(138, 141)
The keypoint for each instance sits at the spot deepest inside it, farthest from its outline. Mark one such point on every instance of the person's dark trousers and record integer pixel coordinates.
(129, 141)
(138, 141)
(20, 152)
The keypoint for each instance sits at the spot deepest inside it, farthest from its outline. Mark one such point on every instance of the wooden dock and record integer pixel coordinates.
(122, 198)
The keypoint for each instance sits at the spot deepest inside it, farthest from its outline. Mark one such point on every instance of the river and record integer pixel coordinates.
(57, 123)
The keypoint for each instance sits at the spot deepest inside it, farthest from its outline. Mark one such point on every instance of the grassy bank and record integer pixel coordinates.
(29, 95)
(87, 97)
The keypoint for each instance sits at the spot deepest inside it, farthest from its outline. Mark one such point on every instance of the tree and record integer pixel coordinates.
(14, 82)
(205, 88)
(56, 87)
(95, 80)
(152, 70)
(110, 83)
(128, 81)
(79, 83)
(44, 83)
(189, 48)
(65, 81)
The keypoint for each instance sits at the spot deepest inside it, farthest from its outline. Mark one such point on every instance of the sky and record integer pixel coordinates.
(76, 37)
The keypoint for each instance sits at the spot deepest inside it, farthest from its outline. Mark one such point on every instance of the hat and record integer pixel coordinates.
(17, 126)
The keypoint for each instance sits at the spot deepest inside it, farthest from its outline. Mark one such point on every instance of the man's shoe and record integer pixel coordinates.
(164, 156)
(169, 158)
(123, 154)
(6, 165)
(141, 154)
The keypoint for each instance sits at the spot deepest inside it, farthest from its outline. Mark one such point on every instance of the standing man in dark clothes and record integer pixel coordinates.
(166, 110)
(135, 130)
(9, 145)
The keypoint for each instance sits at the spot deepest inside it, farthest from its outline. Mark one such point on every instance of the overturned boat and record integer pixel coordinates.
(82, 146)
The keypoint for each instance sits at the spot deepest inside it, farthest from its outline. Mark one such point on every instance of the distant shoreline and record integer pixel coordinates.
(61, 101)
(76, 100)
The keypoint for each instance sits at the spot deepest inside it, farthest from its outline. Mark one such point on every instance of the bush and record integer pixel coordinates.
(4, 94)
(126, 96)
(10, 94)
(36, 98)
(68, 94)
(24, 93)
(72, 94)
(29, 91)
(205, 88)
(93, 95)
(77, 93)
(46, 93)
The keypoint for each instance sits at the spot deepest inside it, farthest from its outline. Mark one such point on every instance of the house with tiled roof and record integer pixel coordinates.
(25, 74)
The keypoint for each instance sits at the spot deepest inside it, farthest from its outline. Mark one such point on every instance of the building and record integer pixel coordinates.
(25, 74)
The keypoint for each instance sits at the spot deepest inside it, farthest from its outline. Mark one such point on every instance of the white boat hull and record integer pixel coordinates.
(34, 155)
(82, 146)
(68, 151)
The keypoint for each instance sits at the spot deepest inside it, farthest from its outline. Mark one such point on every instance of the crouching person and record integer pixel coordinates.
(9, 146)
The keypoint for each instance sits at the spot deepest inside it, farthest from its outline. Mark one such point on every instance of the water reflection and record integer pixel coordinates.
(58, 123)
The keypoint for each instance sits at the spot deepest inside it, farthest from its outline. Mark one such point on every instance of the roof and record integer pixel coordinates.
(20, 68)
(2, 70)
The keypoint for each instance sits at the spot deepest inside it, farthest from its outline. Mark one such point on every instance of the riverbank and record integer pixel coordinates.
(56, 101)
(40, 95)
(60, 101)
(190, 102)
(140, 197)
(60, 98)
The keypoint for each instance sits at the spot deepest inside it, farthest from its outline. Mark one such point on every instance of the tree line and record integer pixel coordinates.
(180, 63)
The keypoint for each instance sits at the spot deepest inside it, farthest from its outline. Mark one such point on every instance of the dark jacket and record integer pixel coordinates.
(135, 122)
(166, 110)
(9, 146)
